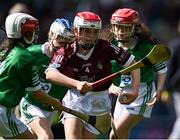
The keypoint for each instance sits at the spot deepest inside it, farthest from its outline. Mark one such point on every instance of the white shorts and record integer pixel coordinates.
(93, 103)
(31, 112)
(138, 107)
(10, 126)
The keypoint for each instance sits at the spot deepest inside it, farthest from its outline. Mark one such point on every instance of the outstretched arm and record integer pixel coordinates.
(57, 77)
(46, 99)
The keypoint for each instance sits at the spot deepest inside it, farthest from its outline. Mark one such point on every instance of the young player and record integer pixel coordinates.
(90, 58)
(38, 116)
(134, 37)
(18, 73)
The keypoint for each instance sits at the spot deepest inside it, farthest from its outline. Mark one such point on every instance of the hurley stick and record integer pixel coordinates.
(159, 53)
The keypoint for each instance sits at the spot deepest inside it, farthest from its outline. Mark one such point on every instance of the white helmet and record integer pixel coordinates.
(19, 24)
(63, 28)
(87, 21)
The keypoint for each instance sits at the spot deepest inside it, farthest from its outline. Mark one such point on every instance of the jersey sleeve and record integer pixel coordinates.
(57, 61)
(122, 56)
(30, 76)
(60, 58)
(160, 67)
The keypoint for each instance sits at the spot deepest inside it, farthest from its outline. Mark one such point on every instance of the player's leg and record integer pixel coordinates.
(124, 124)
(38, 120)
(76, 129)
(11, 127)
(41, 128)
(73, 128)
(127, 116)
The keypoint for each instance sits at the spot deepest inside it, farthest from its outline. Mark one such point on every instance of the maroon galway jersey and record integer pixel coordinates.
(94, 67)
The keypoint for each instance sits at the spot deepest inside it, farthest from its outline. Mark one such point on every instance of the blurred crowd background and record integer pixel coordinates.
(161, 16)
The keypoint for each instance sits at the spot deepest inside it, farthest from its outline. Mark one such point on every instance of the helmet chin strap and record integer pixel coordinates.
(51, 42)
(126, 40)
(29, 41)
(131, 42)
(53, 46)
(87, 47)
(123, 40)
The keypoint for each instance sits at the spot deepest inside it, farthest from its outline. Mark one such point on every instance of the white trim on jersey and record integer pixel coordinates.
(50, 68)
(116, 48)
(33, 88)
(130, 60)
(164, 70)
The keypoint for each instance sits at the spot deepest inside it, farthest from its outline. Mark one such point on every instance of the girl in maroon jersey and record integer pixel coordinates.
(89, 57)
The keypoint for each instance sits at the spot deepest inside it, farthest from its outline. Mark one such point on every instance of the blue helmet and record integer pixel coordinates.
(63, 28)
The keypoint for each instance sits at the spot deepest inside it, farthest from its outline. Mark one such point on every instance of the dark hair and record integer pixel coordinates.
(2, 33)
(2, 28)
(143, 32)
(7, 45)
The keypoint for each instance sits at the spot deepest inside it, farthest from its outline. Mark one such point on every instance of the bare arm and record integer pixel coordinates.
(161, 81)
(58, 78)
(46, 99)
(160, 85)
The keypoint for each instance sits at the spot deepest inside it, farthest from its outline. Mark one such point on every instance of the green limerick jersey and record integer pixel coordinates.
(18, 73)
(148, 73)
(42, 61)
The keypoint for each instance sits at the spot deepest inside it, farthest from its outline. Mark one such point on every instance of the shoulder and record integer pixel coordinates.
(34, 48)
(22, 56)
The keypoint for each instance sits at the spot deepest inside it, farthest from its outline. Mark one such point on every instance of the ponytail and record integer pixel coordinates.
(7, 45)
(144, 33)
